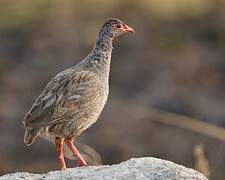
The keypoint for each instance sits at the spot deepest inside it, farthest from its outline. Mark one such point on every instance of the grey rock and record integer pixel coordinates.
(146, 168)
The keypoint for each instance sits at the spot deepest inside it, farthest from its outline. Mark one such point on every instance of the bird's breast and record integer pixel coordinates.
(91, 104)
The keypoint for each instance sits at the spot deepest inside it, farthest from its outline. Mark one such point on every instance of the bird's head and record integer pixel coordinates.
(115, 28)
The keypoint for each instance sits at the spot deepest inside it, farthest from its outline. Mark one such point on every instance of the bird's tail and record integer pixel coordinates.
(30, 135)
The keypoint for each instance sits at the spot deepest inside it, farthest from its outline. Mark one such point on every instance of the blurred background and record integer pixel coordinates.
(167, 90)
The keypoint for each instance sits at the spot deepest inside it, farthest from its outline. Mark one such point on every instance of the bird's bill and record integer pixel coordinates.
(126, 28)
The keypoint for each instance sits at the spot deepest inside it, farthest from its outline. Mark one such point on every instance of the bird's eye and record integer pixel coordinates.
(118, 25)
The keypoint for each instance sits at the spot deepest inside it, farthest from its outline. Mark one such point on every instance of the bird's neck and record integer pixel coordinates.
(100, 57)
(104, 42)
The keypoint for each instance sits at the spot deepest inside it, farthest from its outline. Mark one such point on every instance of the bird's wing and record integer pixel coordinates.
(45, 104)
(52, 106)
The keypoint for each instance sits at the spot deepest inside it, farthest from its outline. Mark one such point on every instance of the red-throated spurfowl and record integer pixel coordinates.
(73, 100)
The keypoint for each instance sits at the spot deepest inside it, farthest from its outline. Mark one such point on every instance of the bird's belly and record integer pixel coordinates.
(77, 126)
(85, 116)
(92, 115)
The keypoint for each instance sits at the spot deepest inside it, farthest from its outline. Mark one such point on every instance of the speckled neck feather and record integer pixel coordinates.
(99, 58)
(104, 40)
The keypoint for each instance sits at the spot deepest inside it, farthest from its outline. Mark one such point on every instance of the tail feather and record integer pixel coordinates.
(30, 135)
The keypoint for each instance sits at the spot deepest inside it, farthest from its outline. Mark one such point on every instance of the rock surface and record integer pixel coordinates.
(138, 168)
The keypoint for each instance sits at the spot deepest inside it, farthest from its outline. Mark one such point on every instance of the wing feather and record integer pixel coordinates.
(47, 109)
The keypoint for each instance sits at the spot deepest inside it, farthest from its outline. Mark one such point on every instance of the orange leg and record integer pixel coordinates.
(81, 161)
(59, 148)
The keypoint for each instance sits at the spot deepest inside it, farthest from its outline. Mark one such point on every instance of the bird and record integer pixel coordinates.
(74, 99)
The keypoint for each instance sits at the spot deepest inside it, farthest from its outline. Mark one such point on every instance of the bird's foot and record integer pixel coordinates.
(81, 163)
(63, 168)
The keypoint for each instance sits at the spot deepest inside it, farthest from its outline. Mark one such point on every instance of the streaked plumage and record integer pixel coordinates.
(73, 100)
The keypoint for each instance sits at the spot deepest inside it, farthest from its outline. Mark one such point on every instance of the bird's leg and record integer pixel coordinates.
(81, 161)
(59, 149)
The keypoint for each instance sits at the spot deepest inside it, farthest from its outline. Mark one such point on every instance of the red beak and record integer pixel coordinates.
(126, 28)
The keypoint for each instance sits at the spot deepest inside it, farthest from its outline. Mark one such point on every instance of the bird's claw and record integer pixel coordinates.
(63, 168)
(80, 164)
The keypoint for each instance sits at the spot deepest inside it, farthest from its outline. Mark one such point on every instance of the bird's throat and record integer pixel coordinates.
(101, 56)
(104, 42)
